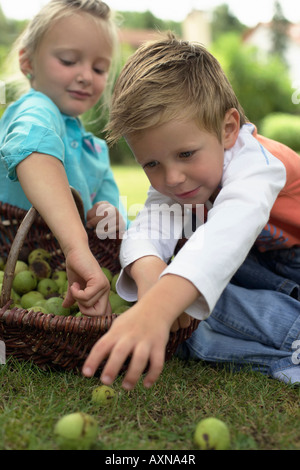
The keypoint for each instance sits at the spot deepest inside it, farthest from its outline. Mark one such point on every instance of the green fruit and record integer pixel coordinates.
(116, 301)
(37, 308)
(30, 298)
(1, 276)
(40, 268)
(121, 309)
(24, 282)
(47, 287)
(212, 434)
(20, 266)
(38, 253)
(2, 262)
(114, 282)
(60, 277)
(107, 273)
(54, 305)
(103, 395)
(76, 431)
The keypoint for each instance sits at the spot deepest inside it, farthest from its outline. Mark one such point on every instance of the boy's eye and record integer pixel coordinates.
(186, 154)
(151, 164)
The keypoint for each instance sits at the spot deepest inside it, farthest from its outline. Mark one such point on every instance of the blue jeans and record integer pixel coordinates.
(256, 321)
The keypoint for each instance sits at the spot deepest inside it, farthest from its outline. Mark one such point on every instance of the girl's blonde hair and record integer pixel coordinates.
(55, 10)
(166, 80)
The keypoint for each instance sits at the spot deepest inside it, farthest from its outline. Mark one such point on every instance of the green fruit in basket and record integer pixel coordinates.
(114, 282)
(24, 281)
(54, 305)
(107, 273)
(60, 277)
(116, 301)
(1, 276)
(20, 266)
(47, 287)
(76, 431)
(30, 298)
(121, 309)
(2, 262)
(40, 268)
(103, 395)
(38, 308)
(38, 253)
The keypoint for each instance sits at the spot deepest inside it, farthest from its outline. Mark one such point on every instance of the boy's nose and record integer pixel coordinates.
(174, 176)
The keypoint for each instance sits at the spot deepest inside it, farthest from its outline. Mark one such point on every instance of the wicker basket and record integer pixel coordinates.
(59, 342)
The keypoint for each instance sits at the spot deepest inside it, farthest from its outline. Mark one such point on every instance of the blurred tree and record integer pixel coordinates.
(223, 21)
(262, 86)
(279, 27)
(9, 29)
(146, 20)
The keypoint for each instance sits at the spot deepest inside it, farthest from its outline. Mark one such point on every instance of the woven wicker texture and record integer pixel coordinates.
(46, 339)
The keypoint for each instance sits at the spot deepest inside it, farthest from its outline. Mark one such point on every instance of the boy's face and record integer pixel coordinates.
(181, 160)
(71, 64)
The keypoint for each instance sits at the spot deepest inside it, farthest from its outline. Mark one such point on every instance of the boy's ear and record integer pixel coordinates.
(25, 62)
(231, 128)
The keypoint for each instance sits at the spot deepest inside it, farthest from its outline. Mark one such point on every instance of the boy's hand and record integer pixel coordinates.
(137, 334)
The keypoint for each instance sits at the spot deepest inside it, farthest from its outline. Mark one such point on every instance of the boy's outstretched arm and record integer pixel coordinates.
(142, 332)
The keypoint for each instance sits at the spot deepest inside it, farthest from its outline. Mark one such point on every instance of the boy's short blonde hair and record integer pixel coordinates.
(170, 79)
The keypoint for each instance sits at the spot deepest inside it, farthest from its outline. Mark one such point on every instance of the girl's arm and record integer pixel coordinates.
(45, 184)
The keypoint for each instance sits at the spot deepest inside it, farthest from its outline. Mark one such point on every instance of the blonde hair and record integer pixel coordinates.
(55, 10)
(170, 79)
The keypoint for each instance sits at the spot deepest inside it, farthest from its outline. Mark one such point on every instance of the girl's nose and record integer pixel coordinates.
(84, 76)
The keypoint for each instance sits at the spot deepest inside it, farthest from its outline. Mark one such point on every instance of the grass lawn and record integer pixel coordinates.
(261, 413)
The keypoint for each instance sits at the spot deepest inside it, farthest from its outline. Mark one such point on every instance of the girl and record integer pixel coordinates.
(66, 53)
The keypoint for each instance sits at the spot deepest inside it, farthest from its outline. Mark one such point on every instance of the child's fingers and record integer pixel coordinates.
(155, 369)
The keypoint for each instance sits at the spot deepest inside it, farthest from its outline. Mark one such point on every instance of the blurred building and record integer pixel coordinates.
(261, 37)
(197, 27)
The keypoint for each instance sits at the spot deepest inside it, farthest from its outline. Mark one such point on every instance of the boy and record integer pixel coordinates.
(239, 271)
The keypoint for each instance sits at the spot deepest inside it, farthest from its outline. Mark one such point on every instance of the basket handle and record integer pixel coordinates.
(18, 243)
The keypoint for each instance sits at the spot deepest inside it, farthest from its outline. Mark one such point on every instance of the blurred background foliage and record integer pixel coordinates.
(262, 84)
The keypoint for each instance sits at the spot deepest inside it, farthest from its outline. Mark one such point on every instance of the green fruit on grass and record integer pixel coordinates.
(60, 277)
(116, 301)
(107, 273)
(47, 287)
(54, 305)
(212, 434)
(40, 268)
(38, 253)
(23, 282)
(103, 395)
(76, 431)
(30, 298)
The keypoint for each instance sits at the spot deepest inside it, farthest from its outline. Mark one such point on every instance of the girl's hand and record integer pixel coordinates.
(106, 219)
(88, 285)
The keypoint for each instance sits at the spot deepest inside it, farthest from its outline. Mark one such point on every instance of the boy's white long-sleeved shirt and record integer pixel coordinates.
(253, 179)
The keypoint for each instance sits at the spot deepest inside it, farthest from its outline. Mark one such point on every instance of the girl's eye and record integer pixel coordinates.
(67, 62)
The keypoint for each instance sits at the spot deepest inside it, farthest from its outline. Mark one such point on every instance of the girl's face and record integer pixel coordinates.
(72, 62)
(183, 161)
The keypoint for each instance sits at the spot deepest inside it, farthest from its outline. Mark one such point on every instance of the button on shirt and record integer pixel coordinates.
(34, 124)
